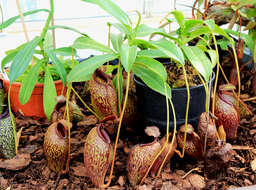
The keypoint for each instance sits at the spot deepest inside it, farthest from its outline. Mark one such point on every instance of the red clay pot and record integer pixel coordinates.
(34, 107)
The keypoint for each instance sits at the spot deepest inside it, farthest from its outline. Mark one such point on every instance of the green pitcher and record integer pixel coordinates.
(7, 136)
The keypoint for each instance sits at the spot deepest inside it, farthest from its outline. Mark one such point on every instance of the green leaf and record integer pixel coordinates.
(127, 56)
(65, 51)
(153, 65)
(122, 28)
(88, 43)
(196, 33)
(84, 70)
(10, 54)
(179, 17)
(213, 56)
(49, 94)
(28, 84)
(154, 53)
(151, 79)
(13, 19)
(58, 65)
(247, 39)
(211, 24)
(8, 58)
(22, 59)
(222, 32)
(190, 25)
(48, 41)
(112, 9)
(199, 60)
(170, 49)
(116, 41)
(144, 30)
(115, 83)
(66, 28)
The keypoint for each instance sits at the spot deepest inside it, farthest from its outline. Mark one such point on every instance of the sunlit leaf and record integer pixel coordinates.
(170, 49)
(22, 59)
(88, 43)
(145, 30)
(116, 41)
(112, 9)
(153, 65)
(151, 79)
(199, 60)
(127, 56)
(28, 84)
(8, 22)
(49, 94)
(84, 70)
(58, 65)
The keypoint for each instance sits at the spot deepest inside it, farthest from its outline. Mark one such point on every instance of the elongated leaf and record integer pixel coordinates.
(49, 94)
(48, 41)
(179, 17)
(88, 43)
(211, 24)
(58, 65)
(22, 59)
(13, 19)
(66, 28)
(154, 53)
(28, 84)
(122, 28)
(8, 58)
(145, 30)
(199, 60)
(116, 41)
(115, 82)
(127, 56)
(247, 39)
(220, 31)
(10, 54)
(85, 69)
(153, 65)
(112, 9)
(190, 24)
(170, 49)
(151, 79)
(65, 51)
(213, 56)
(196, 33)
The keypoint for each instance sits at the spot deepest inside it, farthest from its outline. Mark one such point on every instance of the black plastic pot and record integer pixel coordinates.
(152, 105)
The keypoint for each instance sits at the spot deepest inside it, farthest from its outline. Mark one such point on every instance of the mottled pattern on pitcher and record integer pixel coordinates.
(7, 139)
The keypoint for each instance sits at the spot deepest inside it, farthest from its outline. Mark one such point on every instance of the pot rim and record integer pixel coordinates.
(173, 89)
(38, 85)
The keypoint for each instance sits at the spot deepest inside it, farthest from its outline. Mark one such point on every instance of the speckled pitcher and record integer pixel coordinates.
(7, 136)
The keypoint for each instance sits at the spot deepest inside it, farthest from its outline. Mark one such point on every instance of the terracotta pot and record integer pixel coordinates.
(34, 107)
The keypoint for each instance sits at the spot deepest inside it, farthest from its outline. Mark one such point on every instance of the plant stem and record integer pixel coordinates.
(217, 74)
(118, 132)
(12, 119)
(46, 26)
(238, 76)
(173, 138)
(69, 126)
(118, 88)
(85, 103)
(187, 109)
